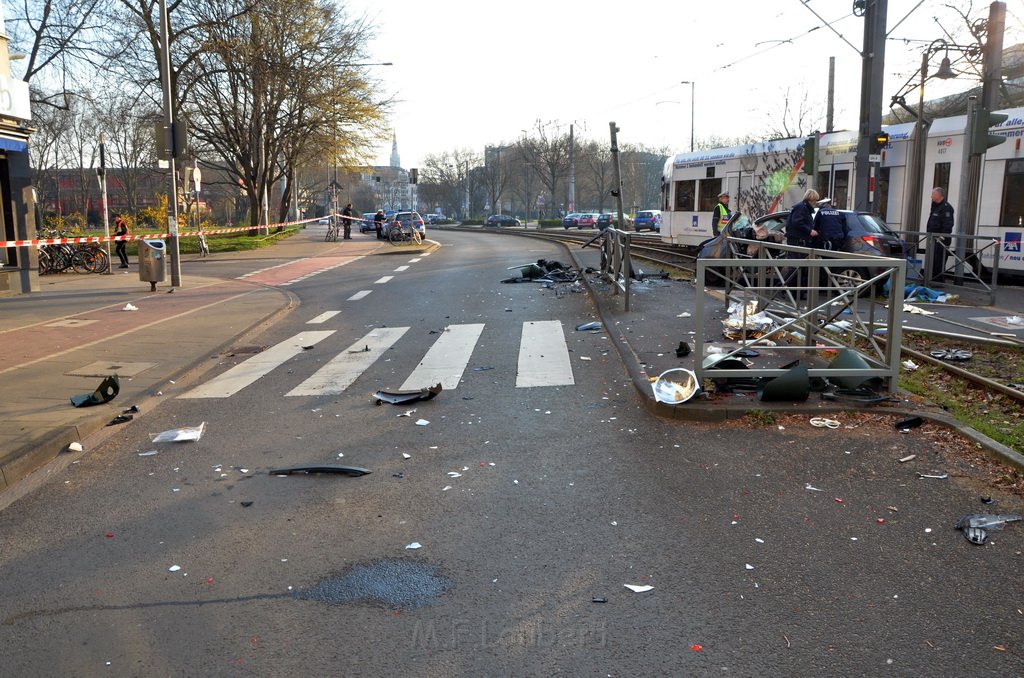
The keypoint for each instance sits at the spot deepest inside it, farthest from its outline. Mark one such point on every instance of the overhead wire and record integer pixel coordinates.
(779, 43)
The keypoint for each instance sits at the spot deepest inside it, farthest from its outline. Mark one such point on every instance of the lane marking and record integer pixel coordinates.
(426, 254)
(359, 295)
(416, 260)
(401, 268)
(543, 356)
(383, 280)
(322, 318)
(446, 360)
(345, 368)
(247, 372)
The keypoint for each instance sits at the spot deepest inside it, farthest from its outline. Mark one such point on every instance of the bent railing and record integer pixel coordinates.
(616, 263)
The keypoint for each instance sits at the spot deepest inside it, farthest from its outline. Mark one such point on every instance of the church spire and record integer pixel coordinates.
(395, 159)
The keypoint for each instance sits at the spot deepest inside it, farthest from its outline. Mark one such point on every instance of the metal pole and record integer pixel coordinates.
(830, 111)
(962, 200)
(572, 171)
(106, 211)
(169, 120)
(693, 107)
(872, 76)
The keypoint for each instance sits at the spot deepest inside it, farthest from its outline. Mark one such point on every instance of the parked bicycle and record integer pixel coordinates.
(333, 230)
(405, 228)
(204, 247)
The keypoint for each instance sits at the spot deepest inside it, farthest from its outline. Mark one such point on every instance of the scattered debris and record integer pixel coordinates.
(413, 546)
(599, 600)
(422, 422)
(134, 409)
(822, 422)
(987, 500)
(307, 348)
(181, 435)
(934, 474)
(586, 327)
(130, 307)
(483, 368)
(952, 354)
(812, 488)
(406, 455)
(174, 568)
(402, 397)
(245, 504)
(543, 271)
(321, 468)
(675, 386)
(364, 349)
(120, 419)
(976, 526)
(75, 447)
(104, 393)
(910, 365)
(684, 314)
(793, 386)
(683, 350)
(407, 413)
(638, 588)
(907, 424)
(909, 457)
(150, 453)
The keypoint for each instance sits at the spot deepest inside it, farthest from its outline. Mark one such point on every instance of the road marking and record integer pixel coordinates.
(543, 356)
(383, 280)
(416, 260)
(322, 318)
(359, 295)
(345, 368)
(447, 358)
(426, 254)
(401, 268)
(247, 372)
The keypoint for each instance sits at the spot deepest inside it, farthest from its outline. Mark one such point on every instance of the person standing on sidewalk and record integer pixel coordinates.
(121, 229)
(940, 220)
(720, 215)
(378, 224)
(346, 218)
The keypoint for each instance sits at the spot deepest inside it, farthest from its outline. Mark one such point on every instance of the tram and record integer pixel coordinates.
(769, 176)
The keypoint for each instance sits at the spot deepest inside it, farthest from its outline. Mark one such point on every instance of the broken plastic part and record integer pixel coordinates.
(793, 386)
(595, 325)
(953, 354)
(861, 394)
(104, 393)
(675, 386)
(638, 588)
(120, 419)
(682, 350)
(181, 435)
(321, 468)
(402, 397)
(913, 422)
(987, 521)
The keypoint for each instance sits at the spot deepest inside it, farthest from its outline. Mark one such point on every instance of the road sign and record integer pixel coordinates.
(197, 177)
(875, 157)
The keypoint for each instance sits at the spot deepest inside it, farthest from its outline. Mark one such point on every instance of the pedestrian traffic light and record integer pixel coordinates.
(879, 140)
(981, 140)
(414, 175)
(811, 155)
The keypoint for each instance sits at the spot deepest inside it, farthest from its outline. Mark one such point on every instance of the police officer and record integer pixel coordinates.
(831, 227)
(940, 220)
(720, 214)
(346, 221)
(378, 224)
(800, 229)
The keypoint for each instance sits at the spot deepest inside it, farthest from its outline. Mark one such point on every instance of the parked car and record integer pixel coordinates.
(436, 218)
(366, 223)
(406, 218)
(611, 218)
(586, 220)
(571, 220)
(868, 235)
(647, 220)
(503, 220)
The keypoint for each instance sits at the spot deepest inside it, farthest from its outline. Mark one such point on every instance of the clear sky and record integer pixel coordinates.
(468, 73)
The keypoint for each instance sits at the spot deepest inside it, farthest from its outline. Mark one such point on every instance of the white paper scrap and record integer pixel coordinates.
(422, 422)
(75, 447)
(406, 455)
(454, 474)
(174, 568)
(638, 588)
(413, 546)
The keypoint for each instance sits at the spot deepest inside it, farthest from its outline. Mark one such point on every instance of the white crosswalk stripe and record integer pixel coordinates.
(322, 318)
(543, 360)
(248, 371)
(337, 375)
(447, 358)
(362, 294)
(543, 356)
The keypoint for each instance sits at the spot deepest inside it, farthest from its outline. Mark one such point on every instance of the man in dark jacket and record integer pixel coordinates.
(346, 221)
(940, 220)
(800, 224)
(378, 224)
(831, 227)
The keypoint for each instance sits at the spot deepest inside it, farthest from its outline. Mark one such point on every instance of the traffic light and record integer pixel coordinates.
(981, 140)
(414, 175)
(811, 155)
(879, 140)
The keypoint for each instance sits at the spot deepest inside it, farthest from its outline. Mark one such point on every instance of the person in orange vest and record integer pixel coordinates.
(121, 229)
(720, 214)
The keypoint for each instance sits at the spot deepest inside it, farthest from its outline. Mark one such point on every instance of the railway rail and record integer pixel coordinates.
(683, 258)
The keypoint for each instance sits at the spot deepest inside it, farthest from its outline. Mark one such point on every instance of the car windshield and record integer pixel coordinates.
(643, 215)
(872, 224)
(740, 222)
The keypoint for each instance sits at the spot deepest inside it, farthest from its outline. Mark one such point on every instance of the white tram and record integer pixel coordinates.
(766, 177)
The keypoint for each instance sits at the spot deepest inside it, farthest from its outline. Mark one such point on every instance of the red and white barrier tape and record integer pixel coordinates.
(40, 242)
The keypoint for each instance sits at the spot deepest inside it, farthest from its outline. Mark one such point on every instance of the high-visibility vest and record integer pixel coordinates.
(724, 215)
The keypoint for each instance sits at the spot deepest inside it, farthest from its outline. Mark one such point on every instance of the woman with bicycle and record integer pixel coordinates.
(121, 229)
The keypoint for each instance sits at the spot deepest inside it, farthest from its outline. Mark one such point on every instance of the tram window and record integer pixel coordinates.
(841, 189)
(685, 195)
(1012, 211)
(882, 192)
(822, 186)
(941, 178)
(709, 190)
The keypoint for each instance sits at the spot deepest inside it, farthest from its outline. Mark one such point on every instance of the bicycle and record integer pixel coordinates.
(398, 234)
(90, 258)
(204, 247)
(332, 231)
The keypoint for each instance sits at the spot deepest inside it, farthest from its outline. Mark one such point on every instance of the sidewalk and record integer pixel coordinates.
(65, 339)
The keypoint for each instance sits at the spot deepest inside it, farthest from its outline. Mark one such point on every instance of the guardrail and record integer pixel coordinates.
(616, 263)
(805, 294)
(956, 261)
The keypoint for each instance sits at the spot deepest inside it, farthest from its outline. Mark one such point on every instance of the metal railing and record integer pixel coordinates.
(616, 263)
(819, 300)
(953, 261)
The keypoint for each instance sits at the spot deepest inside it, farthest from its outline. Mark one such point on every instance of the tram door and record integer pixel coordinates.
(835, 182)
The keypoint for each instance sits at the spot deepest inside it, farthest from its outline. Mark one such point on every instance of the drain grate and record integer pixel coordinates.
(395, 583)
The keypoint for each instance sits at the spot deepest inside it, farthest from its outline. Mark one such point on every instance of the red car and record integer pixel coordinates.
(586, 220)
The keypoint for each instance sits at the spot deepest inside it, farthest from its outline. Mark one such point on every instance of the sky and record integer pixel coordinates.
(468, 74)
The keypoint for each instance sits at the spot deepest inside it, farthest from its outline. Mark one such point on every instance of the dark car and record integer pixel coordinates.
(649, 220)
(605, 220)
(503, 220)
(868, 234)
(571, 221)
(366, 223)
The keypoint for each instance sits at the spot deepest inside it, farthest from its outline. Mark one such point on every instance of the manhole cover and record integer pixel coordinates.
(244, 350)
(395, 583)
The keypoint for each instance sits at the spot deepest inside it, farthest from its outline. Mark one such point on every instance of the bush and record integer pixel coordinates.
(550, 223)
(472, 222)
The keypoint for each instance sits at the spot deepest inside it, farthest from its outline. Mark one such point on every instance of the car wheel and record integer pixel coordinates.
(851, 277)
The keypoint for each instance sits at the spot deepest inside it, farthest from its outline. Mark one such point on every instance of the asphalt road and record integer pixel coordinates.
(565, 494)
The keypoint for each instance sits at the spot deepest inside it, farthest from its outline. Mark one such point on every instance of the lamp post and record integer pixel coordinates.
(693, 86)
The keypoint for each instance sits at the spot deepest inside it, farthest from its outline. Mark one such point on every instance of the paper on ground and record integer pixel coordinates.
(637, 588)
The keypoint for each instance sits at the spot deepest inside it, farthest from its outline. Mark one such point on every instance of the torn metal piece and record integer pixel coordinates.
(935, 475)
(977, 525)
(104, 393)
(321, 468)
(402, 397)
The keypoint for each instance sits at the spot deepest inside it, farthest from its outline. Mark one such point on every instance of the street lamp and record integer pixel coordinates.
(692, 85)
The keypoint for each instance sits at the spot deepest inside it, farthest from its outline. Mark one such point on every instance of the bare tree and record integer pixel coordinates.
(548, 154)
(797, 118)
(596, 178)
(450, 176)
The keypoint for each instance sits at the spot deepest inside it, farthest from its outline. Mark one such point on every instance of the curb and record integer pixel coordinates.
(428, 246)
(708, 412)
(40, 451)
